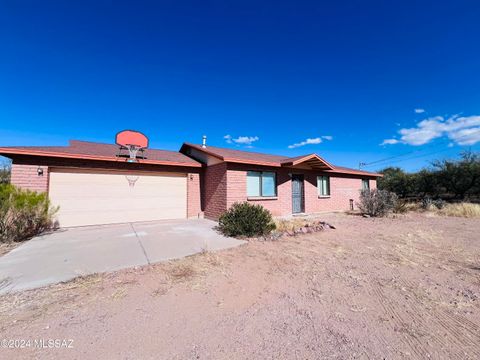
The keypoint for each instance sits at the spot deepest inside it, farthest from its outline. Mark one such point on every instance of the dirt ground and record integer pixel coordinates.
(405, 287)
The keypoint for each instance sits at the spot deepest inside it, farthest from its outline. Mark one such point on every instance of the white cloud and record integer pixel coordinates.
(306, 142)
(462, 130)
(419, 111)
(390, 142)
(245, 140)
(327, 137)
(242, 140)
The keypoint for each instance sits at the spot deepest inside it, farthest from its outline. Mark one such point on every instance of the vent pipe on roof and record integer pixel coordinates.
(204, 141)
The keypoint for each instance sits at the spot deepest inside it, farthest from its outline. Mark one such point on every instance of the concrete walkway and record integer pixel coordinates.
(73, 252)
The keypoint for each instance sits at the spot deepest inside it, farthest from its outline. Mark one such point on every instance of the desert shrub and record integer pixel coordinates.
(426, 203)
(23, 213)
(439, 203)
(467, 210)
(401, 207)
(245, 219)
(377, 202)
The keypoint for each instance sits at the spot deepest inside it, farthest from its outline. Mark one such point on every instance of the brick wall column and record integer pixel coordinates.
(193, 195)
(26, 177)
(215, 190)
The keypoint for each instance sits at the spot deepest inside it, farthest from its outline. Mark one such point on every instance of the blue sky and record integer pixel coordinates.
(335, 78)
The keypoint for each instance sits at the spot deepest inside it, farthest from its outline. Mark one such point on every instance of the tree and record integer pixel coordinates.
(459, 178)
(426, 183)
(444, 179)
(5, 169)
(396, 180)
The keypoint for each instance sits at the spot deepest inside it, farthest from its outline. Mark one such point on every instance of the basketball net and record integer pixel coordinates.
(133, 150)
(132, 179)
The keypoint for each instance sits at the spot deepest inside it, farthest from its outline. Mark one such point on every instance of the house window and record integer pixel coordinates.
(365, 184)
(323, 185)
(261, 183)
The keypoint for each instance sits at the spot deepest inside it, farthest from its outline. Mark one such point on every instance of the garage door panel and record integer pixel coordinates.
(87, 198)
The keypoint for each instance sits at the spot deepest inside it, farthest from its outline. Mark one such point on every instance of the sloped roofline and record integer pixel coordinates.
(58, 154)
(285, 162)
(300, 159)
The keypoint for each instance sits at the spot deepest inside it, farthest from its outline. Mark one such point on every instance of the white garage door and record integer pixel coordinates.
(105, 197)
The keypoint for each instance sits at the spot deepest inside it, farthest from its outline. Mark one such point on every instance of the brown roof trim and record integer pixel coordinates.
(227, 159)
(296, 161)
(253, 162)
(283, 162)
(354, 172)
(16, 151)
(205, 150)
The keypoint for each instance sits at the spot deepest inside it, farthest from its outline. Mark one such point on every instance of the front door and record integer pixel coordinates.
(298, 198)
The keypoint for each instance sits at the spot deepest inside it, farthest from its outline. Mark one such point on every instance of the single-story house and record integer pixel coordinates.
(93, 183)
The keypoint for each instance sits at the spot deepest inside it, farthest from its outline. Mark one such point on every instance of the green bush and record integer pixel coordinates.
(245, 219)
(23, 213)
(377, 202)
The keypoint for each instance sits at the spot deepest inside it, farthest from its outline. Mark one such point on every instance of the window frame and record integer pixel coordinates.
(319, 188)
(260, 173)
(367, 182)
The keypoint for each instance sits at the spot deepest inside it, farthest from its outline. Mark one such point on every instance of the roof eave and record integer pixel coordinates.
(353, 172)
(200, 148)
(29, 152)
(252, 162)
(306, 158)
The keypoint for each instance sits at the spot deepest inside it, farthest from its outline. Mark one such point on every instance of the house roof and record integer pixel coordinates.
(98, 151)
(256, 158)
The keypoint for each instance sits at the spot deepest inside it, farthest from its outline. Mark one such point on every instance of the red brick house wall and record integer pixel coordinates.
(194, 203)
(227, 184)
(342, 189)
(215, 190)
(26, 177)
(237, 188)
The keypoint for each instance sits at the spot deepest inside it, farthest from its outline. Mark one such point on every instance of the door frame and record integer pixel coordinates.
(301, 178)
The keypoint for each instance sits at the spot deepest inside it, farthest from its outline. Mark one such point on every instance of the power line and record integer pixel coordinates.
(419, 156)
(361, 165)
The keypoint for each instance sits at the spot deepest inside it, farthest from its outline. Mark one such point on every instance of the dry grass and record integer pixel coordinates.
(28, 305)
(181, 272)
(5, 248)
(191, 268)
(467, 210)
(284, 225)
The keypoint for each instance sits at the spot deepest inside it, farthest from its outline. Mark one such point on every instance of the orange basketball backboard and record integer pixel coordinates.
(129, 138)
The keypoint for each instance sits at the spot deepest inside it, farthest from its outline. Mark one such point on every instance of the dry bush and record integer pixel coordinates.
(284, 225)
(467, 210)
(377, 202)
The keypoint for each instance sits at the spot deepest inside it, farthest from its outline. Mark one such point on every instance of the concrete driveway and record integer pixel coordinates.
(68, 253)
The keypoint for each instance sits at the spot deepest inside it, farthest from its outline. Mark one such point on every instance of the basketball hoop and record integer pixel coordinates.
(133, 142)
(132, 179)
(132, 150)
